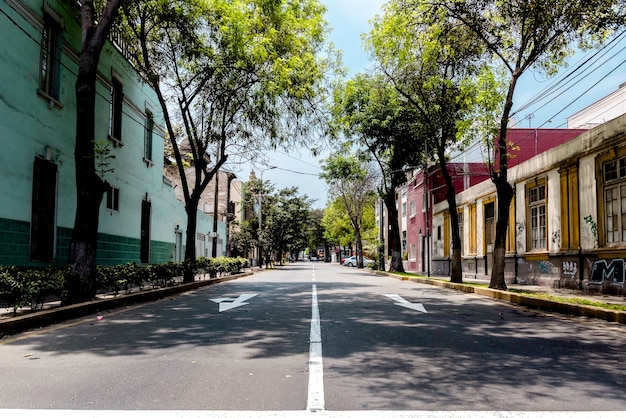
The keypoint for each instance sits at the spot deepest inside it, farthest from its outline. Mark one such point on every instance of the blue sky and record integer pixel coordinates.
(349, 19)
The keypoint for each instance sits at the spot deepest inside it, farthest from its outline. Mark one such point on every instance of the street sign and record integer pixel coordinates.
(226, 304)
(400, 301)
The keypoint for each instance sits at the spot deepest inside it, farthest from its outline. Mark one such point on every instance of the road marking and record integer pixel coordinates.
(226, 304)
(315, 400)
(60, 413)
(406, 304)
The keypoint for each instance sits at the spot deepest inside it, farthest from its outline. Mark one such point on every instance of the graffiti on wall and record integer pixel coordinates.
(570, 268)
(546, 267)
(520, 234)
(556, 238)
(612, 271)
(594, 229)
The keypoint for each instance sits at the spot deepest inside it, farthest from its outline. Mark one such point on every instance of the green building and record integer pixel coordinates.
(141, 219)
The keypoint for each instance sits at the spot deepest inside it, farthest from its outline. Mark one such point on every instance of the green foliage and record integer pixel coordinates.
(31, 287)
(103, 157)
(20, 288)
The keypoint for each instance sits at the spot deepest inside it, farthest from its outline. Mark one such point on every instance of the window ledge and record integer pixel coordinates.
(148, 162)
(52, 102)
(117, 143)
(538, 256)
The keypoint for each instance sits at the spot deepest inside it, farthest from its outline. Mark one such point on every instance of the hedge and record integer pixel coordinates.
(32, 287)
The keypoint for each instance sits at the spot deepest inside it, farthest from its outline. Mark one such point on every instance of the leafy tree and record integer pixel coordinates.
(287, 221)
(315, 230)
(521, 36)
(438, 68)
(336, 223)
(244, 76)
(351, 179)
(371, 110)
(90, 187)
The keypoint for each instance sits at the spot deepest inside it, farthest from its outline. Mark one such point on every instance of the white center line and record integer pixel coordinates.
(315, 400)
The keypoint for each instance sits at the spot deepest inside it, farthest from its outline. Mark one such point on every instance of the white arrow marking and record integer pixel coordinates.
(230, 303)
(406, 304)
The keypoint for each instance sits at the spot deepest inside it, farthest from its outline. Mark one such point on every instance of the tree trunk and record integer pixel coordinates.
(504, 192)
(456, 270)
(505, 195)
(395, 244)
(359, 247)
(191, 209)
(80, 284)
(90, 188)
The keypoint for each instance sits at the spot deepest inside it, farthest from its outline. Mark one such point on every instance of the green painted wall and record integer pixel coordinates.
(112, 250)
(31, 128)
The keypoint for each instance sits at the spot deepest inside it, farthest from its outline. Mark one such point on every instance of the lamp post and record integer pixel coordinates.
(260, 250)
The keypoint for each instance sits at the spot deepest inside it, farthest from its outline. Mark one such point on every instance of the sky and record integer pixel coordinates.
(349, 19)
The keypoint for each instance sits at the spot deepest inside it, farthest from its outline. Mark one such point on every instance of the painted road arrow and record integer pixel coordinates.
(406, 304)
(230, 303)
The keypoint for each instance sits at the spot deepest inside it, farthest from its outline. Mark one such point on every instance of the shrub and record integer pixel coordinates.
(31, 287)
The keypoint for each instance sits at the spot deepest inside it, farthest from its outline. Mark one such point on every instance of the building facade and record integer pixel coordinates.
(567, 226)
(140, 218)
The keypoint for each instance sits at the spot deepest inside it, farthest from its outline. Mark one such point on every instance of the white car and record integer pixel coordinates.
(352, 261)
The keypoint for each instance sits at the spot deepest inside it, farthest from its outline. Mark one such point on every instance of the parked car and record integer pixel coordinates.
(352, 261)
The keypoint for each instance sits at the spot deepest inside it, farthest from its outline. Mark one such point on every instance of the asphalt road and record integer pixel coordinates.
(318, 337)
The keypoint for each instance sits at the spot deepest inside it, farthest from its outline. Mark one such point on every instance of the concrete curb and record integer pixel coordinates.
(51, 316)
(530, 301)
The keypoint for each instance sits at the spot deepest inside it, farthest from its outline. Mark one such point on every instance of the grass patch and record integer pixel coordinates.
(572, 300)
(576, 301)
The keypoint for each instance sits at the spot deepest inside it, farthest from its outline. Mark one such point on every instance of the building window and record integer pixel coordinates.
(117, 100)
(412, 209)
(43, 216)
(147, 141)
(472, 229)
(113, 198)
(403, 241)
(403, 209)
(51, 47)
(461, 236)
(614, 178)
(537, 212)
(490, 230)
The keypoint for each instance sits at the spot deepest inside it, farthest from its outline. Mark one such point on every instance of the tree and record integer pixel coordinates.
(521, 36)
(315, 231)
(287, 221)
(245, 75)
(371, 110)
(438, 68)
(90, 187)
(336, 224)
(350, 178)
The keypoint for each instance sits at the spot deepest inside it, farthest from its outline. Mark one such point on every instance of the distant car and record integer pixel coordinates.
(352, 261)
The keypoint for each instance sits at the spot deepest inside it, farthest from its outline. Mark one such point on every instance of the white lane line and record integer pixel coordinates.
(315, 401)
(60, 413)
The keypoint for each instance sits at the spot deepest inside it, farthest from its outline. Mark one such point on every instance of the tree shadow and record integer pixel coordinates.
(464, 353)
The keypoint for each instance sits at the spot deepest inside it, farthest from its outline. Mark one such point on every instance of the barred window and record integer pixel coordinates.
(614, 179)
(537, 205)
